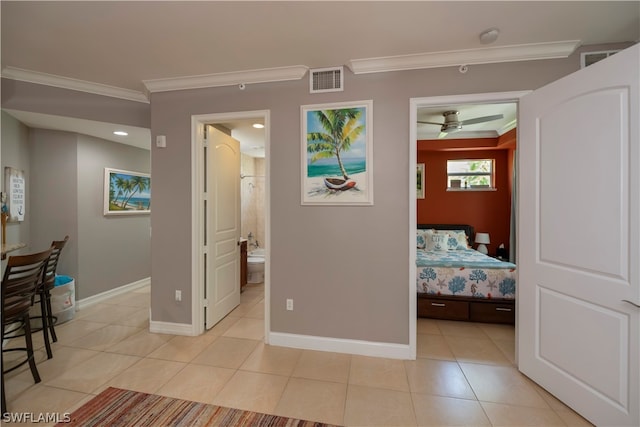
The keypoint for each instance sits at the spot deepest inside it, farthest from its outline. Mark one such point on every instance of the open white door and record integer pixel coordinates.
(579, 239)
(222, 229)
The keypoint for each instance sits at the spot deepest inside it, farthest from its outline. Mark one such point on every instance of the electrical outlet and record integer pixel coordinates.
(178, 295)
(289, 304)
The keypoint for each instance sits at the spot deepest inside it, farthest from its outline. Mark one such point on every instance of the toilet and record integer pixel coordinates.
(255, 266)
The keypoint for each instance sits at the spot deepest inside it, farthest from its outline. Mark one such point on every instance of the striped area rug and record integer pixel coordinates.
(116, 407)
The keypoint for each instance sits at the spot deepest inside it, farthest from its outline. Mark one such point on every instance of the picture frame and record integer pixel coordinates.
(126, 192)
(420, 181)
(337, 171)
(15, 195)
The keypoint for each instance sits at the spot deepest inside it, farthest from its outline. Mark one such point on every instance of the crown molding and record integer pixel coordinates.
(266, 75)
(523, 52)
(72, 84)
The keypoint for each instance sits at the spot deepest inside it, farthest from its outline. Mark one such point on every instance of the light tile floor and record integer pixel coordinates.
(464, 373)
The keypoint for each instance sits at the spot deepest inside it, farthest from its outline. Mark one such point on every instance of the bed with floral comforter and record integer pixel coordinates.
(456, 282)
(464, 272)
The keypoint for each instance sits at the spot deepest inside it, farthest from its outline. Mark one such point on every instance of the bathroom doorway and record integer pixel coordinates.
(250, 132)
(252, 188)
(251, 129)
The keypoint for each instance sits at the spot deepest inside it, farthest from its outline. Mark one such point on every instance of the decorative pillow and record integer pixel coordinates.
(457, 239)
(420, 239)
(436, 241)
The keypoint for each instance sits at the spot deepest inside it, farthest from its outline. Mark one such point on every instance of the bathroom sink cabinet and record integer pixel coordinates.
(243, 264)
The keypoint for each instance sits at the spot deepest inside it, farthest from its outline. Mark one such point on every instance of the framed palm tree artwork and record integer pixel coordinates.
(337, 149)
(126, 192)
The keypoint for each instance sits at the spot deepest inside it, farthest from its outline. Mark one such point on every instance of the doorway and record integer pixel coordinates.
(415, 105)
(226, 120)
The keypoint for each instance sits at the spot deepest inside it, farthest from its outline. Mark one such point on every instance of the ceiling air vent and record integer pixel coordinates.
(326, 80)
(588, 58)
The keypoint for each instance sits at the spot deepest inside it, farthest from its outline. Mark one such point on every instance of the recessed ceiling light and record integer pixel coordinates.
(120, 133)
(258, 125)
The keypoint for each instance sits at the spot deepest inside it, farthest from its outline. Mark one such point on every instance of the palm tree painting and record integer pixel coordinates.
(126, 192)
(337, 144)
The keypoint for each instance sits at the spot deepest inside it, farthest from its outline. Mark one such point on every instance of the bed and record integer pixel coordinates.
(456, 282)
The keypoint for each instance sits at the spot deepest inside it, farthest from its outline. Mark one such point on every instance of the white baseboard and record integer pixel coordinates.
(94, 299)
(306, 342)
(339, 345)
(172, 328)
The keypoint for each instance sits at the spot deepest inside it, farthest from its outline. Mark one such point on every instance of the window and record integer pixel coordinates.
(474, 174)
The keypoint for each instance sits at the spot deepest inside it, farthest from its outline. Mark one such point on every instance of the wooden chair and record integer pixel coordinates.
(43, 292)
(21, 278)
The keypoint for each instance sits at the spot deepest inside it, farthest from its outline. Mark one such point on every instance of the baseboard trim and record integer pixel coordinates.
(172, 328)
(94, 299)
(339, 345)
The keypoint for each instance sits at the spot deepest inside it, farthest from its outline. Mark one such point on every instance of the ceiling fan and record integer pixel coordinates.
(452, 124)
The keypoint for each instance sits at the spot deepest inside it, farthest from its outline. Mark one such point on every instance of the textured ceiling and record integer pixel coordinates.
(122, 44)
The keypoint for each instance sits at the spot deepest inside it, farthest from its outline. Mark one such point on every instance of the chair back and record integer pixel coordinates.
(49, 274)
(21, 277)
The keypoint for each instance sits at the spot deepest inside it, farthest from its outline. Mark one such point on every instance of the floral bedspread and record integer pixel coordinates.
(459, 258)
(464, 273)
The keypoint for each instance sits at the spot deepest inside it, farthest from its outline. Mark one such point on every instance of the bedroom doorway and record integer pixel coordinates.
(224, 121)
(578, 307)
(417, 104)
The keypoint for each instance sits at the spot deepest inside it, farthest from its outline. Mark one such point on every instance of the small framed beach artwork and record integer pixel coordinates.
(126, 192)
(337, 149)
(420, 190)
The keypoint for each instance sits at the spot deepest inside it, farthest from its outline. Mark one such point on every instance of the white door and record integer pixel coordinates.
(579, 238)
(222, 226)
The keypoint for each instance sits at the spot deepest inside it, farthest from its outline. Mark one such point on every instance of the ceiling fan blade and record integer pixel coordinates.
(481, 119)
(430, 123)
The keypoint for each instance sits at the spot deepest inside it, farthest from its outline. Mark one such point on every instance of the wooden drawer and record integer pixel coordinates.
(443, 309)
(493, 312)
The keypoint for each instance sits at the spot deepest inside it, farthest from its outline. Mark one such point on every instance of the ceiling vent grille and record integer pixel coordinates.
(326, 80)
(588, 58)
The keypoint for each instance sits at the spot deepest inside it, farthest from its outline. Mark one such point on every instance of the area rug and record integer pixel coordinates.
(117, 407)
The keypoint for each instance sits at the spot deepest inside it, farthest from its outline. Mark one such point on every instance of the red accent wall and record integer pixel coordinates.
(487, 211)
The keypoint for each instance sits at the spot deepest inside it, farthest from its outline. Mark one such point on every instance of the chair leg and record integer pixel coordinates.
(45, 325)
(51, 320)
(30, 353)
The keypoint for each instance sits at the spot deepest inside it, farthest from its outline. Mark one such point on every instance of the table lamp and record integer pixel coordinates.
(482, 239)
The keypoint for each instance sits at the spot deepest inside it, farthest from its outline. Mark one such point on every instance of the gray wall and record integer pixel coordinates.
(114, 250)
(351, 278)
(54, 194)
(66, 195)
(43, 99)
(15, 154)
(347, 268)
(65, 185)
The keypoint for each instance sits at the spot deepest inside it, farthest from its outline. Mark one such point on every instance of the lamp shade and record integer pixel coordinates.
(483, 238)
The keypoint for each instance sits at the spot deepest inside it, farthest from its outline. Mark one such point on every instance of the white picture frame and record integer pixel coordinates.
(336, 154)
(126, 192)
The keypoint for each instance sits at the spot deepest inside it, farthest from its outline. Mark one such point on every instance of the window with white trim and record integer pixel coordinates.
(475, 174)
